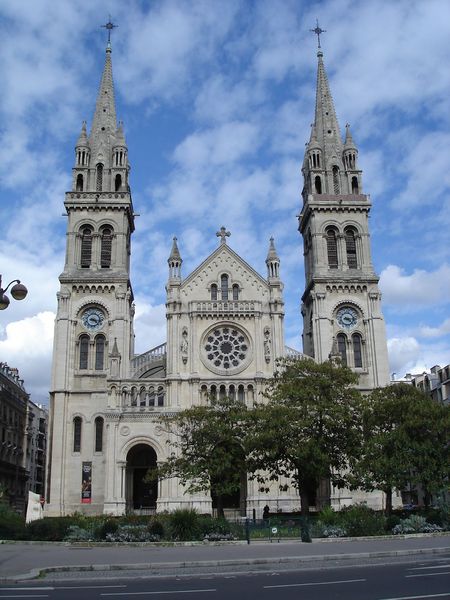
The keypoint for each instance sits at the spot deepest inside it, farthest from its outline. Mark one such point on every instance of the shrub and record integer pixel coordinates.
(77, 534)
(391, 522)
(359, 519)
(52, 529)
(156, 528)
(184, 525)
(333, 531)
(328, 516)
(102, 528)
(12, 525)
(132, 533)
(415, 524)
(214, 530)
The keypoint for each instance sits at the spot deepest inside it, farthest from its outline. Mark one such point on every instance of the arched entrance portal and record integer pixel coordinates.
(141, 495)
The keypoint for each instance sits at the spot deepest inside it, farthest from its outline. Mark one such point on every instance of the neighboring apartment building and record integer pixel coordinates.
(436, 383)
(13, 440)
(36, 447)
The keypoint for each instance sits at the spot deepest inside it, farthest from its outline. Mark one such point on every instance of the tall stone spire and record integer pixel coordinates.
(105, 109)
(326, 126)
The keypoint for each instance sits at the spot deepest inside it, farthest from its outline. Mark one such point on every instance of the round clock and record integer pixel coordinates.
(93, 319)
(347, 317)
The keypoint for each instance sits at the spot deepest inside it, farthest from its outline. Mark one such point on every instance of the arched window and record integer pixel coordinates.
(160, 396)
(357, 350)
(241, 394)
(235, 292)
(118, 183)
(142, 397)
(86, 247)
(214, 292)
(99, 178)
(79, 186)
(99, 352)
(342, 347)
(106, 247)
(232, 392)
(222, 392)
(151, 397)
(98, 434)
(84, 351)
(336, 184)
(332, 248)
(355, 186)
(224, 286)
(77, 434)
(318, 184)
(350, 247)
(213, 392)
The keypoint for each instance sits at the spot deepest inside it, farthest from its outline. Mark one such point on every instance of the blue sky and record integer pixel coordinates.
(217, 99)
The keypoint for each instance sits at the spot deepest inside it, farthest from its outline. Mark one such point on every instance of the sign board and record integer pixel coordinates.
(86, 483)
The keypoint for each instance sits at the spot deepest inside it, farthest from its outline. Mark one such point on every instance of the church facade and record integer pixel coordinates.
(224, 322)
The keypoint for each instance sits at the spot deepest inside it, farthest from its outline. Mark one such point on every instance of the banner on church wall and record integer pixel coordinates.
(86, 483)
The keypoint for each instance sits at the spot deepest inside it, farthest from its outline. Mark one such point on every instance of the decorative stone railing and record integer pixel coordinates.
(226, 306)
(149, 357)
(135, 395)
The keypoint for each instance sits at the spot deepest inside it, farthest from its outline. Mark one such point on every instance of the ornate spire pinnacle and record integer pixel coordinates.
(272, 261)
(175, 253)
(83, 140)
(104, 122)
(325, 120)
(115, 350)
(223, 234)
(349, 143)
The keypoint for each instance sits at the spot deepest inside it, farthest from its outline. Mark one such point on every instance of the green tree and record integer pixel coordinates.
(309, 429)
(406, 440)
(208, 448)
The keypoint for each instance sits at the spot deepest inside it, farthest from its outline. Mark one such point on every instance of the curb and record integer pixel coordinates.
(156, 568)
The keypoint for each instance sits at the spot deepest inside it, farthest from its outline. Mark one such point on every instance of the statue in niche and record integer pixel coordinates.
(184, 346)
(267, 344)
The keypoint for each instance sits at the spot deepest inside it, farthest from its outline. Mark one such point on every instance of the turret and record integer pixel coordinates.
(351, 162)
(272, 262)
(174, 261)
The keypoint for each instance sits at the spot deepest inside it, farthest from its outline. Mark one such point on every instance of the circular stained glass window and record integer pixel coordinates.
(226, 348)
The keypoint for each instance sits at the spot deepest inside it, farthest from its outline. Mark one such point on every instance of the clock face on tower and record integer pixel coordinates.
(347, 317)
(93, 319)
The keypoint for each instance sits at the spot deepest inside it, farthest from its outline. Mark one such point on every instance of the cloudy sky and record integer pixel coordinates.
(217, 99)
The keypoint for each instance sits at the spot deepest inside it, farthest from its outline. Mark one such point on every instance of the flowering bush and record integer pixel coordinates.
(77, 534)
(132, 533)
(333, 531)
(415, 524)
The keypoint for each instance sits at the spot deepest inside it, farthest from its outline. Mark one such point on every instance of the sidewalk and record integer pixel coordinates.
(23, 561)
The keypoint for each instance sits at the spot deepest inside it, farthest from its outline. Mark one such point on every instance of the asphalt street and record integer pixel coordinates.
(424, 579)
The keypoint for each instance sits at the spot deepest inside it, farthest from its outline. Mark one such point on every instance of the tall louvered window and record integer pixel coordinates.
(84, 351)
(332, 248)
(99, 434)
(106, 248)
(350, 246)
(86, 247)
(224, 286)
(357, 350)
(336, 184)
(99, 178)
(99, 352)
(342, 347)
(77, 434)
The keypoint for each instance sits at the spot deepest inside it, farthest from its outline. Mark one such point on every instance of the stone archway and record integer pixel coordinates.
(141, 495)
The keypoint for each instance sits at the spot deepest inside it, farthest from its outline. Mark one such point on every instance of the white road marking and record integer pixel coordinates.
(87, 587)
(446, 595)
(428, 574)
(286, 585)
(433, 567)
(154, 593)
(27, 596)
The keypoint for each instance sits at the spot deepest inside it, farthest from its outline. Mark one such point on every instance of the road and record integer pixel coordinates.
(427, 578)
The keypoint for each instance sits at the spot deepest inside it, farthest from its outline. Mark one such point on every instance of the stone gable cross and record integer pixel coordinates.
(223, 234)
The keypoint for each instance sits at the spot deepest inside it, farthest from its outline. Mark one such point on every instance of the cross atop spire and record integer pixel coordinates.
(109, 26)
(223, 234)
(317, 30)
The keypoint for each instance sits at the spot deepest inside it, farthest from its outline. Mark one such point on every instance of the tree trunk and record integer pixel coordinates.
(220, 513)
(304, 499)
(388, 509)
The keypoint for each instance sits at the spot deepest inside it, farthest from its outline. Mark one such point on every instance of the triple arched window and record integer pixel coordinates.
(227, 292)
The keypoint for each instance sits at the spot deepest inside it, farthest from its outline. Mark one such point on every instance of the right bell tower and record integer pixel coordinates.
(341, 304)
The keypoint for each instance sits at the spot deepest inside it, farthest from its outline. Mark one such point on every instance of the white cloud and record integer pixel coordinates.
(434, 332)
(411, 292)
(149, 325)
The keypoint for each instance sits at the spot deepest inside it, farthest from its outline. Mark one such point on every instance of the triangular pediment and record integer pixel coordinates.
(224, 260)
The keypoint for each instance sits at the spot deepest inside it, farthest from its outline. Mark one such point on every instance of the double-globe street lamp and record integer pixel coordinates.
(18, 292)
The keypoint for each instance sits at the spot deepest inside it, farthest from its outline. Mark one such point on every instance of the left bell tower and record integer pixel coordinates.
(95, 308)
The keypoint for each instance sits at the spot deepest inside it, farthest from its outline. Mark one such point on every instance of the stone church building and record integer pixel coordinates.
(224, 322)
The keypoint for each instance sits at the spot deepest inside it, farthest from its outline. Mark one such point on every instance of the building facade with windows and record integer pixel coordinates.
(224, 322)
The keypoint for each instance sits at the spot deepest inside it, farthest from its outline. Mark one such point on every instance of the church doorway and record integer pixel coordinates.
(142, 495)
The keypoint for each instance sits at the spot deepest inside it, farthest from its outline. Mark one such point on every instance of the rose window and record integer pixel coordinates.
(226, 348)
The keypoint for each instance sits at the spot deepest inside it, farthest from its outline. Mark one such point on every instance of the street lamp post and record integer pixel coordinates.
(18, 292)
